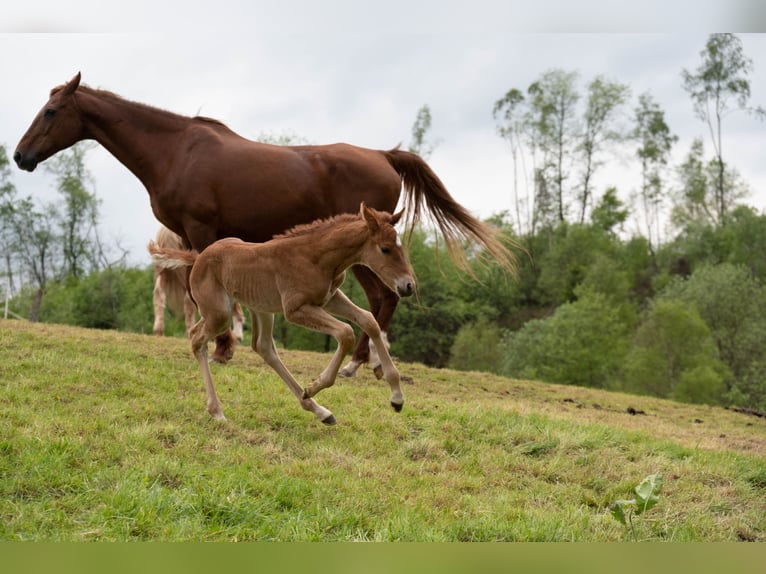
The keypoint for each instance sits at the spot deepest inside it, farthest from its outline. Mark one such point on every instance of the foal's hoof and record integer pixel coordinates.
(219, 360)
(329, 421)
(397, 406)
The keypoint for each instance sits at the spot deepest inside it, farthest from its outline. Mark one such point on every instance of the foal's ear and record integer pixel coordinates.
(369, 216)
(72, 85)
(396, 217)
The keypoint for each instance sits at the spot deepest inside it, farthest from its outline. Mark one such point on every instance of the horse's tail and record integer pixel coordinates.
(424, 190)
(168, 258)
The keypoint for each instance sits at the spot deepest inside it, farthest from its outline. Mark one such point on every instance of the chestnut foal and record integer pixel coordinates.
(298, 273)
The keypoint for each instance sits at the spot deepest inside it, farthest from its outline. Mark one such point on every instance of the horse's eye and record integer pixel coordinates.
(385, 250)
(50, 112)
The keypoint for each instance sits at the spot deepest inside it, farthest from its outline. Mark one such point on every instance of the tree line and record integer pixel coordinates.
(675, 308)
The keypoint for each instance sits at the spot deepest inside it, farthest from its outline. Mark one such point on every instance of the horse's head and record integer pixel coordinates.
(57, 126)
(383, 252)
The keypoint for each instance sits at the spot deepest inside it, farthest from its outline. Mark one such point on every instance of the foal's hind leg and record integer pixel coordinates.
(342, 306)
(200, 334)
(263, 344)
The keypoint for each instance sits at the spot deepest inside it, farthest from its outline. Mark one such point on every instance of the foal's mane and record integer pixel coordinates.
(106, 94)
(319, 224)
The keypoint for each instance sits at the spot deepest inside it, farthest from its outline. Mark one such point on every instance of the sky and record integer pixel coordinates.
(358, 72)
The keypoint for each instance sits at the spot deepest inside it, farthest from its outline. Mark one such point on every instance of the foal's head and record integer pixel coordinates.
(57, 126)
(383, 251)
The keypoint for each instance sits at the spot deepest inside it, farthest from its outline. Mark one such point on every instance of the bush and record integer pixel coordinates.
(583, 343)
(477, 347)
(674, 356)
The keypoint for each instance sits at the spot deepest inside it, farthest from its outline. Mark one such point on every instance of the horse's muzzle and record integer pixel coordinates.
(27, 163)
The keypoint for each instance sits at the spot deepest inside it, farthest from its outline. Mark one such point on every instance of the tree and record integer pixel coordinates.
(511, 126)
(553, 101)
(697, 200)
(721, 77)
(49, 241)
(655, 142)
(7, 190)
(420, 128)
(80, 245)
(605, 99)
(610, 212)
(29, 235)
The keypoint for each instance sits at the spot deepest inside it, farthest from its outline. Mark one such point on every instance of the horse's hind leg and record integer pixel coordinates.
(383, 303)
(238, 322)
(158, 298)
(263, 344)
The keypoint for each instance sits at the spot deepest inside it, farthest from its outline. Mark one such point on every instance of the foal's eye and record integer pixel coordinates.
(50, 112)
(385, 250)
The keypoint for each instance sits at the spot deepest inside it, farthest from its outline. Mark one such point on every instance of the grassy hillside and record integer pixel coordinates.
(104, 436)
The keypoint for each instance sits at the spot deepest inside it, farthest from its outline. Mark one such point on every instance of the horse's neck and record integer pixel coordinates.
(143, 139)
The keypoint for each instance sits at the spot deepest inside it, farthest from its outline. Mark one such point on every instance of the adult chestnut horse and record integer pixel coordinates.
(206, 182)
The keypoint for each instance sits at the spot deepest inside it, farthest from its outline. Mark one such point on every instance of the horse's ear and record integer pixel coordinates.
(369, 217)
(396, 217)
(72, 85)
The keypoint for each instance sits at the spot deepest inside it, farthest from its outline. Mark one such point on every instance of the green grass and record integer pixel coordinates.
(104, 436)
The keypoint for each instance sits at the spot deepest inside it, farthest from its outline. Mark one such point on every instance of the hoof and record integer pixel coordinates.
(406, 379)
(329, 421)
(219, 360)
(397, 406)
(346, 373)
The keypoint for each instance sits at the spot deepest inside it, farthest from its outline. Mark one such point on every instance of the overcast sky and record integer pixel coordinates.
(358, 72)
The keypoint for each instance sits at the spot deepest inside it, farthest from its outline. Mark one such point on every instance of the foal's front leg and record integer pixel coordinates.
(317, 319)
(263, 344)
(343, 307)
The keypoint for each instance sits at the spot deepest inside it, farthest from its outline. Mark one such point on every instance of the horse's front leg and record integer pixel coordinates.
(342, 306)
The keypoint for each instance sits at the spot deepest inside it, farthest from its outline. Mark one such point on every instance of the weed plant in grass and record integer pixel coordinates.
(104, 436)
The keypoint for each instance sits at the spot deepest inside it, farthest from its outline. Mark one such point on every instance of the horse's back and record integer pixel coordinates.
(259, 190)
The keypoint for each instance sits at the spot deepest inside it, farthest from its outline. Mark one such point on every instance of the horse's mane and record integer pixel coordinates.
(306, 228)
(112, 96)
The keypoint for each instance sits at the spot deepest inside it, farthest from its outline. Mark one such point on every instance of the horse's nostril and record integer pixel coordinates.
(17, 157)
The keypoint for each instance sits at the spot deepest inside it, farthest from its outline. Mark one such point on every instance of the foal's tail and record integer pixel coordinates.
(168, 258)
(424, 190)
